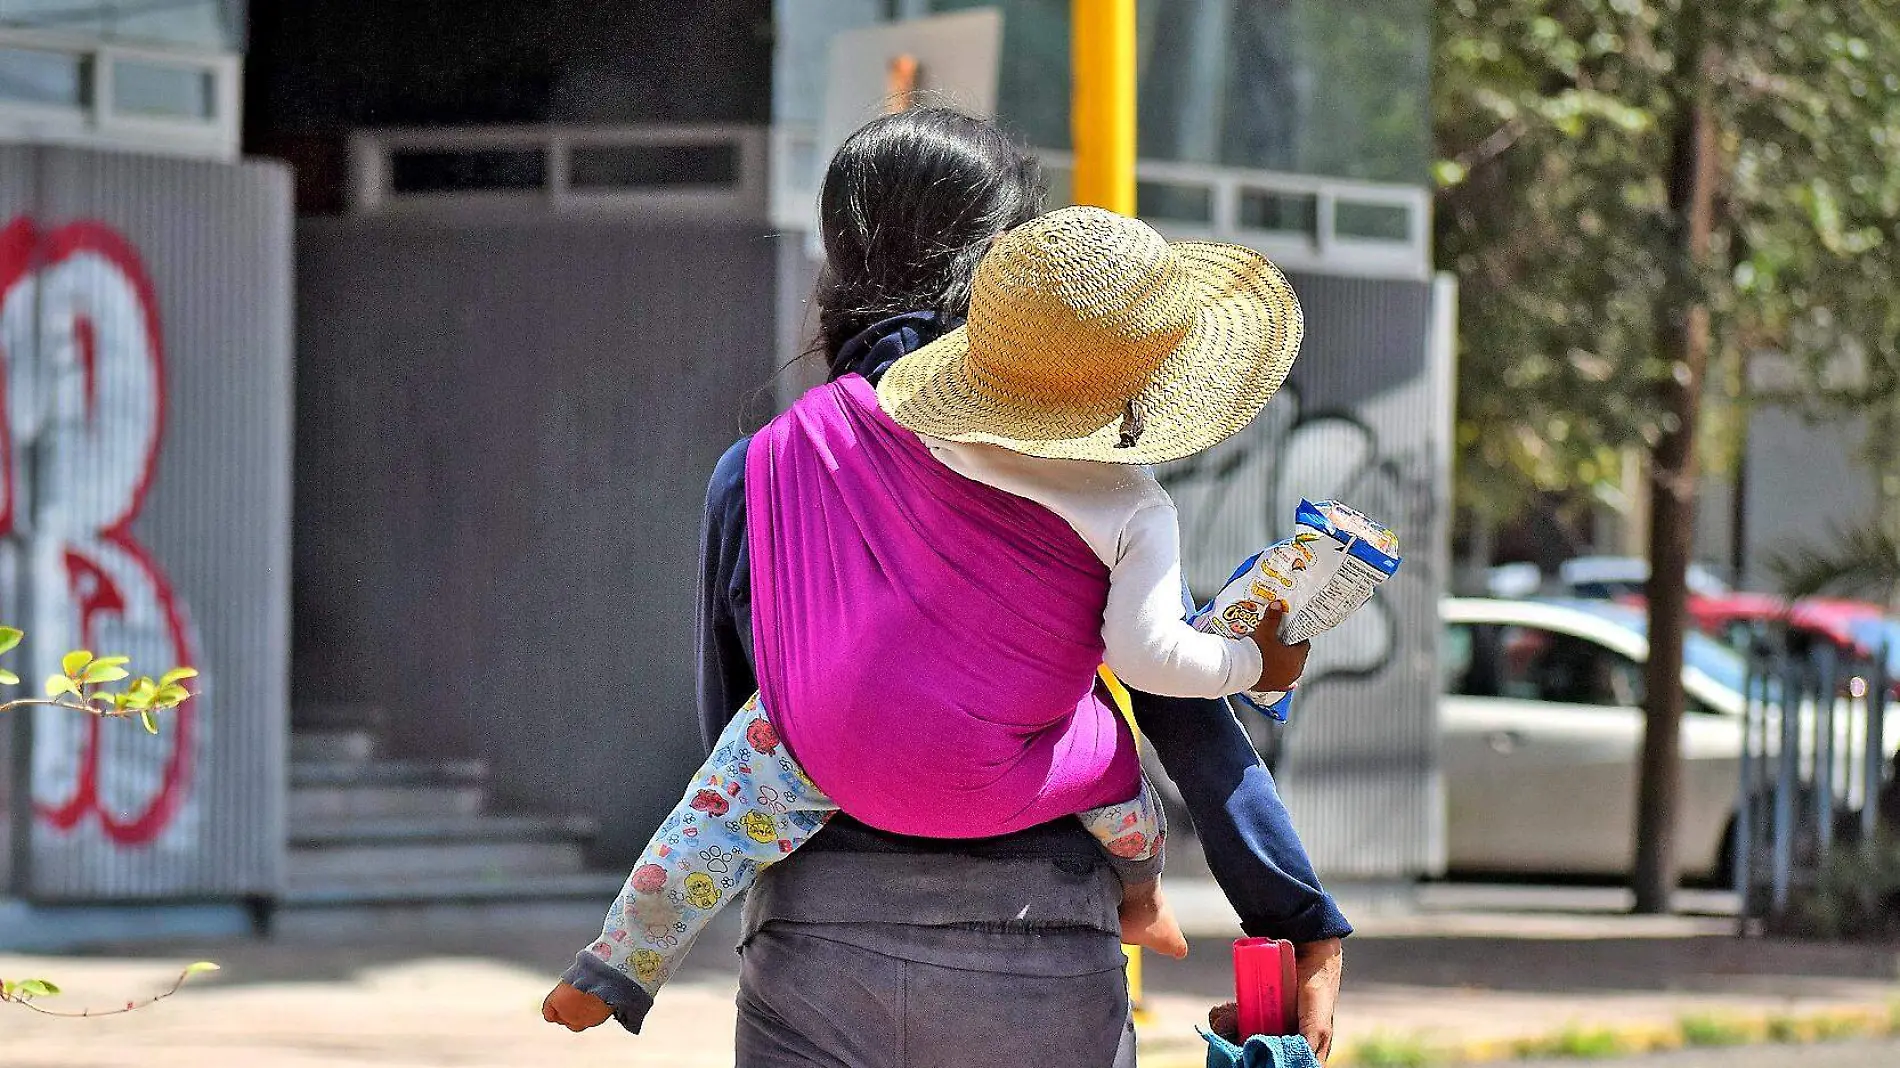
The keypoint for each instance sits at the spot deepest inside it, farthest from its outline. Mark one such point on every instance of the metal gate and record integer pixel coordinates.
(144, 510)
(1817, 757)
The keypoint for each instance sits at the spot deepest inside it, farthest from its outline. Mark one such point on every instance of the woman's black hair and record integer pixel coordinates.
(909, 205)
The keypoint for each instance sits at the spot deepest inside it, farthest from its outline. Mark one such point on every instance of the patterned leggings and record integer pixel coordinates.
(749, 807)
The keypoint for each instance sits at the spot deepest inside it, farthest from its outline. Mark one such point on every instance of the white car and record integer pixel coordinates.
(1541, 725)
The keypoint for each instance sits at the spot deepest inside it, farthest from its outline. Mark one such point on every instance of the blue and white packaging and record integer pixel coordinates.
(1326, 571)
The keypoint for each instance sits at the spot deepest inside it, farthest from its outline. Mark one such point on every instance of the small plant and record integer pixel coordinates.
(26, 993)
(1714, 1031)
(81, 685)
(1584, 1043)
(1856, 896)
(1388, 1051)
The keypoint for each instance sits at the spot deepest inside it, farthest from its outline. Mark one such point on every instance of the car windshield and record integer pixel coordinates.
(1724, 666)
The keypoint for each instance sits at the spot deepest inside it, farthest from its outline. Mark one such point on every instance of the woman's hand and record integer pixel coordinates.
(1281, 664)
(574, 1009)
(1320, 965)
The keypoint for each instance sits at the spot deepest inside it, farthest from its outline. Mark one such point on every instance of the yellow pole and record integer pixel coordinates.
(1102, 102)
(1102, 127)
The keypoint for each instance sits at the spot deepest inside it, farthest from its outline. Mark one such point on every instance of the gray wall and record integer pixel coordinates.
(1801, 477)
(504, 437)
(145, 316)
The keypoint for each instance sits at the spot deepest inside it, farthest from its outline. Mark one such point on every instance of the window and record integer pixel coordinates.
(1529, 664)
(164, 91)
(32, 76)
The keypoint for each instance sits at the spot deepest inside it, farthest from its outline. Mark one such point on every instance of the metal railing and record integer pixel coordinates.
(1816, 756)
(1305, 223)
(696, 171)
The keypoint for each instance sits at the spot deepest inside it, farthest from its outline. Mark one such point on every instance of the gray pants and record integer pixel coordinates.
(892, 996)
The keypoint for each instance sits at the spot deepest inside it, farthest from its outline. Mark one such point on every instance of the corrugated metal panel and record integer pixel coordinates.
(504, 437)
(1362, 418)
(16, 191)
(161, 295)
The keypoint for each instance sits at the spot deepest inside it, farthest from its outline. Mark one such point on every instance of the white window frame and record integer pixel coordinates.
(373, 192)
(99, 124)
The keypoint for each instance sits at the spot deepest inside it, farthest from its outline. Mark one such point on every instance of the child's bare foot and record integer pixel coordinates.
(1148, 922)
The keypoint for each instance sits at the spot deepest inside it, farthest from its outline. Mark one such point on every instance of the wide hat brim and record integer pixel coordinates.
(1246, 331)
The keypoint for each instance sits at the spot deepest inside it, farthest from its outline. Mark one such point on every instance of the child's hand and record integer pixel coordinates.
(573, 1009)
(1281, 664)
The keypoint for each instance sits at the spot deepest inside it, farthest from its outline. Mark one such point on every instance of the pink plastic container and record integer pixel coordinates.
(1266, 986)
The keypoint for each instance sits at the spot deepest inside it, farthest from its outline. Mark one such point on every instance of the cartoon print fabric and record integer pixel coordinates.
(748, 808)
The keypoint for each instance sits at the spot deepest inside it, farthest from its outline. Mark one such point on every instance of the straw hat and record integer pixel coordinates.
(1091, 337)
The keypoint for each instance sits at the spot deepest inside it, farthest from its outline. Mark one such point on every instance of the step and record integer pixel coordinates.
(321, 803)
(388, 773)
(379, 863)
(444, 829)
(601, 887)
(332, 746)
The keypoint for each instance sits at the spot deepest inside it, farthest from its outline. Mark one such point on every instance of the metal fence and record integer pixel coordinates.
(144, 511)
(1816, 758)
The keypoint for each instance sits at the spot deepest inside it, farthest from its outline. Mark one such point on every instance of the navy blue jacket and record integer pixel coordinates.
(1243, 826)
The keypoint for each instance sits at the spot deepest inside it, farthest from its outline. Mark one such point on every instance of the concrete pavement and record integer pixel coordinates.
(1470, 970)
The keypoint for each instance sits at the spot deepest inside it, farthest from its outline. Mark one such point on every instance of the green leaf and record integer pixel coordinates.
(8, 678)
(170, 696)
(147, 721)
(10, 637)
(114, 661)
(57, 685)
(178, 674)
(100, 671)
(200, 968)
(75, 662)
(138, 700)
(8, 987)
(37, 988)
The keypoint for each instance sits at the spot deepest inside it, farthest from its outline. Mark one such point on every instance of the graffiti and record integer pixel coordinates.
(1241, 495)
(83, 392)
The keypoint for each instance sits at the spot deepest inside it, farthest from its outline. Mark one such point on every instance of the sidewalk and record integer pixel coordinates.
(461, 988)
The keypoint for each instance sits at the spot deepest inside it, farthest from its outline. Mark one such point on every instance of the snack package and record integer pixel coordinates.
(1330, 567)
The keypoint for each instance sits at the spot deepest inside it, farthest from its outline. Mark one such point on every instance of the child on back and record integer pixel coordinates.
(941, 566)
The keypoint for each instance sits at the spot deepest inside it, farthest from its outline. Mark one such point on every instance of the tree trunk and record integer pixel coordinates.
(1684, 336)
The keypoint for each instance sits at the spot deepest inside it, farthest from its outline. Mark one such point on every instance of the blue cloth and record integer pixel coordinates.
(1244, 828)
(1260, 1051)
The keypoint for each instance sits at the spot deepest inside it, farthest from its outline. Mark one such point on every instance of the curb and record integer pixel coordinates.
(1585, 1042)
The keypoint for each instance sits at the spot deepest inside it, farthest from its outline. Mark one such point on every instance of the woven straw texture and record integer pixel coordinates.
(1091, 337)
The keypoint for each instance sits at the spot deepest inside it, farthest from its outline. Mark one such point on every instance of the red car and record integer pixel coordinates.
(1859, 631)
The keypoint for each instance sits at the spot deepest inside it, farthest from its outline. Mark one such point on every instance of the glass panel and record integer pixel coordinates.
(1306, 86)
(164, 90)
(29, 76)
(637, 166)
(485, 170)
(1177, 203)
(209, 24)
(1541, 665)
(1032, 86)
(1376, 222)
(1294, 213)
